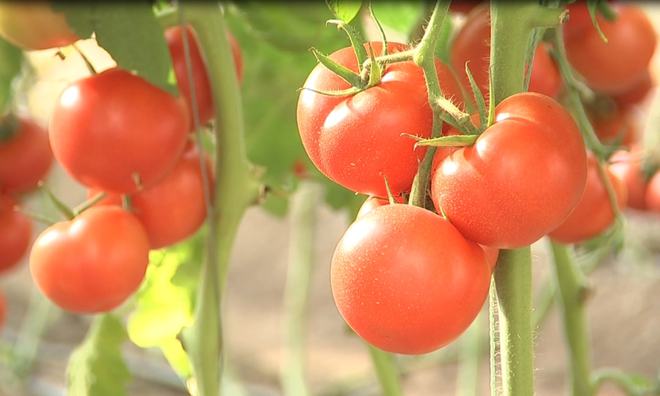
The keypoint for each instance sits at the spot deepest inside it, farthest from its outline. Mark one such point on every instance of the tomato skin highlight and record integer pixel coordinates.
(652, 196)
(593, 214)
(34, 25)
(406, 280)
(520, 179)
(174, 208)
(15, 234)
(109, 127)
(627, 167)
(356, 140)
(622, 62)
(25, 158)
(203, 94)
(92, 263)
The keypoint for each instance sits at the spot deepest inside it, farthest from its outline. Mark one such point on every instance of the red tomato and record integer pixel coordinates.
(406, 280)
(626, 166)
(356, 140)
(203, 94)
(472, 44)
(111, 127)
(174, 208)
(617, 126)
(34, 25)
(15, 234)
(520, 179)
(653, 193)
(3, 310)
(621, 63)
(579, 20)
(593, 214)
(92, 263)
(635, 94)
(25, 158)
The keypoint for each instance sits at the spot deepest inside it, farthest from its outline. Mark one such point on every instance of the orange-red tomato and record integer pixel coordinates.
(174, 208)
(92, 263)
(34, 25)
(520, 179)
(3, 310)
(652, 197)
(356, 140)
(15, 233)
(626, 166)
(635, 94)
(406, 280)
(593, 214)
(621, 63)
(203, 94)
(615, 127)
(25, 157)
(472, 45)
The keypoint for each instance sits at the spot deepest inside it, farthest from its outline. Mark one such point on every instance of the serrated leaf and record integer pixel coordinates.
(11, 58)
(345, 10)
(129, 31)
(96, 367)
(400, 16)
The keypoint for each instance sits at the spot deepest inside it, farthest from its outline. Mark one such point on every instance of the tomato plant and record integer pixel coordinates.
(626, 166)
(532, 153)
(15, 233)
(34, 26)
(356, 140)
(203, 94)
(397, 309)
(593, 214)
(621, 63)
(173, 208)
(92, 263)
(25, 157)
(616, 127)
(105, 128)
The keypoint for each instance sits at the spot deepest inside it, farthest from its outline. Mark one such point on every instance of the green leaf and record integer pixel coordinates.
(345, 10)
(166, 300)
(131, 34)
(400, 16)
(96, 367)
(11, 58)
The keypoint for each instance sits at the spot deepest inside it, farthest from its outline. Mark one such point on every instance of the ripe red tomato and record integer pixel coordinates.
(3, 310)
(15, 233)
(579, 20)
(111, 127)
(653, 193)
(406, 280)
(593, 214)
(25, 158)
(520, 179)
(616, 126)
(93, 262)
(174, 208)
(636, 94)
(356, 140)
(621, 63)
(203, 94)
(472, 44)
(626, 166)
(34, 25)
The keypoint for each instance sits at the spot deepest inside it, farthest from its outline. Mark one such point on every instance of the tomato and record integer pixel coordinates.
(627, 167)
(25, 157)
(34, 25)
(472, 45)
(174, 208)
(92, 263)
(652, 197)
(112, 127)
(579, 20)
(406, 280)
(621, 63)
(203, 93)
(15, 234)
(3, 310)
(636, 94)
(593, 214)
(520, 179)
(616, 126)
(356, 140)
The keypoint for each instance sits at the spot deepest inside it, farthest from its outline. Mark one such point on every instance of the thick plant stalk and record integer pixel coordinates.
(470, 359)
(571, 297)
(304, 206)
(386, 371)
(236, 188)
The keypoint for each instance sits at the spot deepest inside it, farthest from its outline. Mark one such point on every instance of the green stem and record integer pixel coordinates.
(470, 360)
(386, 371)
(424, 56)
(630, 385)
(236, 188)
(571, 297)
(304, 206)
(493, 330)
